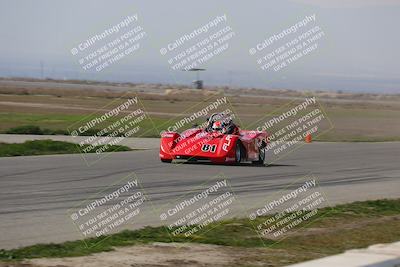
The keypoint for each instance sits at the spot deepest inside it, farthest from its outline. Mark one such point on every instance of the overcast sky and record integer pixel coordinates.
(359, 50)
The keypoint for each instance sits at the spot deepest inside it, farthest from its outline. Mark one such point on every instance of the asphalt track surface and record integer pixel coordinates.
(36, 192)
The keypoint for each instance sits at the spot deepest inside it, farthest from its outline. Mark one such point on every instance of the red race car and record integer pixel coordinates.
(220, 141)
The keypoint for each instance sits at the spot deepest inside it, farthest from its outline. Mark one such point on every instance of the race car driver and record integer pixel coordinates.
(225, 127)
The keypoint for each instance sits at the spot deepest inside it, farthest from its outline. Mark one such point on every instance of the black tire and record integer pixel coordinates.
(166, 160)
(238, 152)
(261, 157)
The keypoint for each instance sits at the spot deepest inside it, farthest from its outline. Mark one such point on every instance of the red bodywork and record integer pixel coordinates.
(200, 144)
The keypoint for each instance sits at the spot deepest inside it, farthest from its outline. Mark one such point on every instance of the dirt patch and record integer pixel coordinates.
(153, 255)
(340, 226)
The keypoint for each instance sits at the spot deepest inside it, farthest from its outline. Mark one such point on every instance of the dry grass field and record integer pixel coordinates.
(56, 105)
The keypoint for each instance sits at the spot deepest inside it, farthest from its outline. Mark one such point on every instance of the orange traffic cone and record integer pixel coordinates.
(308, 138)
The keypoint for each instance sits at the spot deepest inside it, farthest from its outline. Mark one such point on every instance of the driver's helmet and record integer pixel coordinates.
(217, 126)
(228, 122)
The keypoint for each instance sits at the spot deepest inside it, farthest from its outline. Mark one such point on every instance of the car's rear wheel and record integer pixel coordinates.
(238, 152)
(166, 160)
(261, 157)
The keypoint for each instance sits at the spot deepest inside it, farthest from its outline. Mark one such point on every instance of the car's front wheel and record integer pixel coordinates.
(166, 160)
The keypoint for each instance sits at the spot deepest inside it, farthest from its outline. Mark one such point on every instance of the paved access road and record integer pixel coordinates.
(37, 191)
